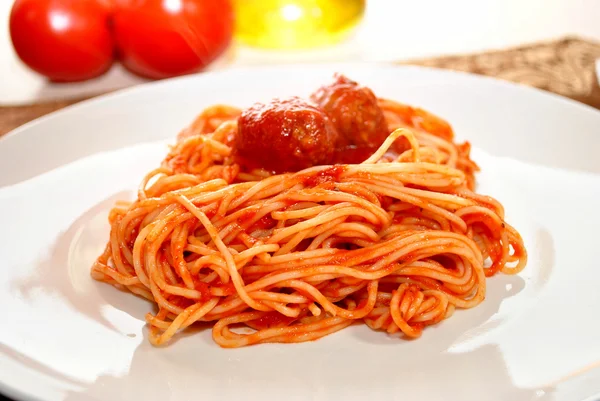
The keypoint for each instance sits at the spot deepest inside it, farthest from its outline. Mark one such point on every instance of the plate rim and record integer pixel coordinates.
(152, 85)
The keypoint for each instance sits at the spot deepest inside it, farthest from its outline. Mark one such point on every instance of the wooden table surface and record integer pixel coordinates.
(565, 67)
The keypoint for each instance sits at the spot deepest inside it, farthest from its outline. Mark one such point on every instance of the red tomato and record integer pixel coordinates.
(164, 38)
(65, 40)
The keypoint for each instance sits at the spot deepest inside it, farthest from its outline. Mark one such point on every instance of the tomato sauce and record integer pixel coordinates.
(203, 289)
(330, 174)
(352, 154)
(264, 223)
(228, 289)
(271, 320)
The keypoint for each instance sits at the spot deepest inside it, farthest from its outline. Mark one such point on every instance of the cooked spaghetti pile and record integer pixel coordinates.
(398, 241)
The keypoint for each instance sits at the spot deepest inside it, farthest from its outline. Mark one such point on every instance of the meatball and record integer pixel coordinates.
(285, 135)
(354, 111)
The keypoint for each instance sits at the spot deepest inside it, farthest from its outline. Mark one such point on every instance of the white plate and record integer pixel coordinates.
(64, 336)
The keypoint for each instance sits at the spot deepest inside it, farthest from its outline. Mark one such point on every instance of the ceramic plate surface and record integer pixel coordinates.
(64, 336)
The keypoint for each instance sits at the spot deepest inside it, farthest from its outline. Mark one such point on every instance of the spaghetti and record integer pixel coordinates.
(398, 241)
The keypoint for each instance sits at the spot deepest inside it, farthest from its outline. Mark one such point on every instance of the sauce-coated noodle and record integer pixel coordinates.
(397, 242)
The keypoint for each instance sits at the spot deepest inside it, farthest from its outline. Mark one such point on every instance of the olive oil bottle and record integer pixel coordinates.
(295, 24)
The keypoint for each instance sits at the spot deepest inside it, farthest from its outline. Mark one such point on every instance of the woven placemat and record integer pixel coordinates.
(565, 67)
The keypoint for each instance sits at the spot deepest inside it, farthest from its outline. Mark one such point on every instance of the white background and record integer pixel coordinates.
(392, 30)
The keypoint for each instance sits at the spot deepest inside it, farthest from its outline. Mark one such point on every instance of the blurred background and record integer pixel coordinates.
(223, 34)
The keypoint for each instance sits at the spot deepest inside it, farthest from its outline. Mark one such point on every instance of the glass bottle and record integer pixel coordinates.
(295, 24)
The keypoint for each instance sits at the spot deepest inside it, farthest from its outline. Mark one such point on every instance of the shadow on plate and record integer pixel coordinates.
(65, 272)
(328, 377)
